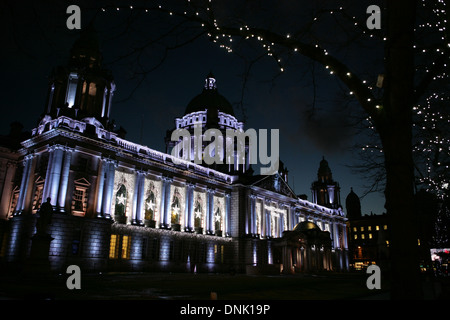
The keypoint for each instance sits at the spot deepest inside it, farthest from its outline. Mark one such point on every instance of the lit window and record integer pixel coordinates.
(354, 229)
(362, 228)
(125, 247)
(38, 197)
(362, 236)
(377, 228)
(385, 227)
(369, 228)
(78, 199)
(370, 236)
(113, 247)
(356, 236)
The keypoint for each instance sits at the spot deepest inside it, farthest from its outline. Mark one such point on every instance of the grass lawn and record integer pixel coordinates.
(157, 286)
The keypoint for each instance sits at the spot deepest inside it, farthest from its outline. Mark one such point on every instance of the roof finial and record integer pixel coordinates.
(210, 82)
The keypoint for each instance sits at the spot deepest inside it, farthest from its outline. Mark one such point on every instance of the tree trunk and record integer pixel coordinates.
(395, 128)
(403, 245)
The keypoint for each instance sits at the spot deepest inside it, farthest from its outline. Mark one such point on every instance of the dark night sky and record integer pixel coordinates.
(35, 39)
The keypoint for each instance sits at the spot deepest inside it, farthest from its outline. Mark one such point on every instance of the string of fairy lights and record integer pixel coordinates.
(429, 115)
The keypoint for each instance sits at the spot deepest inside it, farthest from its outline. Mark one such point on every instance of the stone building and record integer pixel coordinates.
(119, 205)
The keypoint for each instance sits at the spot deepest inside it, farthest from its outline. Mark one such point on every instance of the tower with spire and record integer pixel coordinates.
(82, 89)
(325, 191)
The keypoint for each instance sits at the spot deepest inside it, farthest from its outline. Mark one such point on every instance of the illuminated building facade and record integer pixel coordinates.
(119, 205)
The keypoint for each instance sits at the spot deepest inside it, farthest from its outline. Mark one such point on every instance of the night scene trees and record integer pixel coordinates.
(389, 97)
(396, 74)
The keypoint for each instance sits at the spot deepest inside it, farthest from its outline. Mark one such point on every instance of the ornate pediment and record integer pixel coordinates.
(275, 183)
(82, 181)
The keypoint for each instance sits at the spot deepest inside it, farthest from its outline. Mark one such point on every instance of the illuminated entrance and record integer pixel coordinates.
(305, 248)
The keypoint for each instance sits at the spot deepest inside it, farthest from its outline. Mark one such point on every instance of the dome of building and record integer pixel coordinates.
(210, 99)
(306, 225)
(353, 205)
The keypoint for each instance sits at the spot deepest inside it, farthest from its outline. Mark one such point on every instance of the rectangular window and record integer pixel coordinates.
(126, 242)
(78, 198)
(377, 228)
(369, 228)
(38, 197)
(113, 246)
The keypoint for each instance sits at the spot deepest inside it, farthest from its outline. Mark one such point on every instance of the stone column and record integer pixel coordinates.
(252, 220)
(47, 183)
(99, 188)
(138, 198)
(269, 223)
(24, 184)
(165, 202)
(227, 214)
(335, 235)
(109, 188)
(263, 218)
(189, 225)
(135, 198)
(209, 211)
(55, 175)
(64, 179)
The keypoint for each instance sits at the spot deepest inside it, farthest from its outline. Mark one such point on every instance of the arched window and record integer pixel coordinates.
(218, 220)
(175, 218)
(150, 207)
(121, 204)
(198, 218)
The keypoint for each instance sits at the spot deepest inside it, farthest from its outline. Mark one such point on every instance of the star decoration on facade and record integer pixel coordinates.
(150, 205)
(121, 199)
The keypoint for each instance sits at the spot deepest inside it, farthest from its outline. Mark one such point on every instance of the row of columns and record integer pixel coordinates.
(105, 187)
(189, 212)
(338, 229)
(305, 258)
(56, 179)
(56, 186)
(251, 227)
